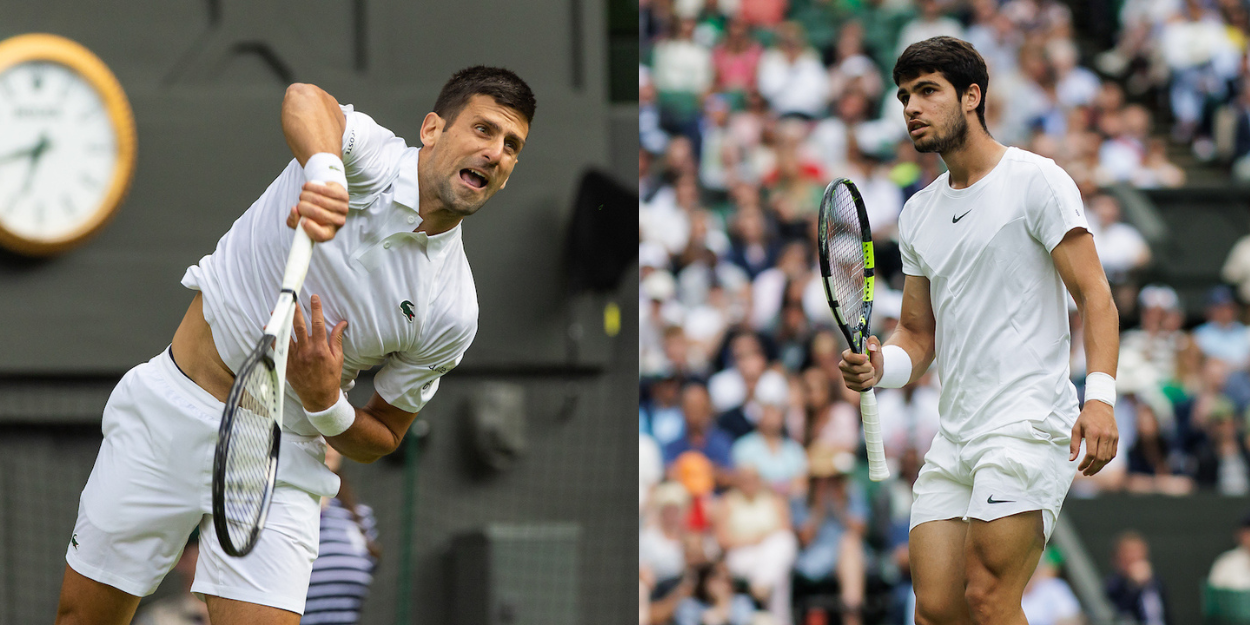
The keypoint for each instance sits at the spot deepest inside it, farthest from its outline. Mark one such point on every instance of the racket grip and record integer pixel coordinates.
(877, 469)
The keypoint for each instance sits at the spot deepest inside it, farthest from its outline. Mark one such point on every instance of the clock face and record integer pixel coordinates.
(58, 152)
(67, 144)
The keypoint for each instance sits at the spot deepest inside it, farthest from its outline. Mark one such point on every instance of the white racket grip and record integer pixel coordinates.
(297, 261)
(877, 469)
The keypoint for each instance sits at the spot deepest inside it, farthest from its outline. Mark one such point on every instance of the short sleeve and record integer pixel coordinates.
(911, 262)
(371, 154)
(1054, 206)
(408, 380)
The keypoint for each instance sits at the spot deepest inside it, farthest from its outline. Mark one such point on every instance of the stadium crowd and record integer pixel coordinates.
(753, 498)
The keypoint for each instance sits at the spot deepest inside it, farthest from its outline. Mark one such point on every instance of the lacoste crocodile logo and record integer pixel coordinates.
(406, 308)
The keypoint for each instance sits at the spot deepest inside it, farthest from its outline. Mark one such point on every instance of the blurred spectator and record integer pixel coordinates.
(662, 543)
(830, 525)
(1202, 60)
(736, 60)
(763, 13)
(1231, 571)
(1154, 443)
(831, 420)
(1222, 459)
(733, 389)
(1133, 589)
(660, 414)
(1075, 85)
(1122, 153)
(1121, 247)
(1240, 148)
(1048, 600)
(931, 22)
(754, 248)
(347, 555)
(682, 71)
(1156, 171)
(650, 468)
(714, 600)
(1236, 269)
(853, 70)
(779, 460)
(912, 419)
(701, 433)
(1223, 336)
(753, 527)
(791, 76)
(1148, 353)
(181, 608)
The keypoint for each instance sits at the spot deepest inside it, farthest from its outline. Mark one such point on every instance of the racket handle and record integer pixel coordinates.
(877, 469)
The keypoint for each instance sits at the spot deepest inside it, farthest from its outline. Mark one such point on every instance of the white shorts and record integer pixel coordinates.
(1017, 468)
(152, 485)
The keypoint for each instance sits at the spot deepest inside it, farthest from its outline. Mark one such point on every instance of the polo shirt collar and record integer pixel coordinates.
(407, 190)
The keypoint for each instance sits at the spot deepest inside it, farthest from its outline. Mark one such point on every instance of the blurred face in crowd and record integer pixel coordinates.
(697, 407)
(1129, 552)
(1222, 314)
(816, 388)
(749, 357)
(670, 518)
(749, 480)
(934, 112)
(1106, 208)
(771, 418)
(751, 225)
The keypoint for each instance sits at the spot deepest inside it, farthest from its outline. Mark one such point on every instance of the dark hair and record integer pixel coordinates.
(505, 87)
(955, 59)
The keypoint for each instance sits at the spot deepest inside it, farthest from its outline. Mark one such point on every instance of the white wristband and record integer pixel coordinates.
(333, 420)
(325, 168)
(1100, 386)
(895, 367)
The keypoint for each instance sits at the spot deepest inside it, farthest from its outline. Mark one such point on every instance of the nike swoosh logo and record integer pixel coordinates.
(991, 499)
(955, 220)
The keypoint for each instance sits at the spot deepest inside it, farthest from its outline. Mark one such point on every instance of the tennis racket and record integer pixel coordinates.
(846, 264)
(245, 465)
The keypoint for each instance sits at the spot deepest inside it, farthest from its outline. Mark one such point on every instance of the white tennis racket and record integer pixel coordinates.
(245, 465)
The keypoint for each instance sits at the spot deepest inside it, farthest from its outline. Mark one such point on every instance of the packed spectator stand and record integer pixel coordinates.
(753, 497)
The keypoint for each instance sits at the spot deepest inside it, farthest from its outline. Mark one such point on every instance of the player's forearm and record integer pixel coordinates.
(919, 347)
(366, 440)
(312, 122)
(1102, 331)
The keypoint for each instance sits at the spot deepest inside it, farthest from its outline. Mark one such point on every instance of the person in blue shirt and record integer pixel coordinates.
(1223, 336)
(701, 433)
(830, 525)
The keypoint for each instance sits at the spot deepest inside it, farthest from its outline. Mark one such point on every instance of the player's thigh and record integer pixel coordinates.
(936, 550)
(1001, 555)
(85, 601)
(222, 611)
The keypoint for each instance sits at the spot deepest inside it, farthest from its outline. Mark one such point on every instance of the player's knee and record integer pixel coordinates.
(987, 602)
(934, 610)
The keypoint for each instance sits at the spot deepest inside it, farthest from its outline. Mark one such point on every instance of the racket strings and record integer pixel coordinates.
(248, 457)
(844, 243)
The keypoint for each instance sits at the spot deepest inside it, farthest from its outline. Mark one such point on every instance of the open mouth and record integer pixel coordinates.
(473, 178)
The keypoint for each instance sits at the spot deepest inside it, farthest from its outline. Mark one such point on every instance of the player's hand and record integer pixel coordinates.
(324, 209)
(862, 371)
(1097, 426)
(315, 361)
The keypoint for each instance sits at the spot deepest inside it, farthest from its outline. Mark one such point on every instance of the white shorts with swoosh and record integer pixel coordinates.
(1020, 467)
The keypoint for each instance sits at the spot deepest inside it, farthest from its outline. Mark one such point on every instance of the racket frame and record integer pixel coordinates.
(270, 352)
(855, 331)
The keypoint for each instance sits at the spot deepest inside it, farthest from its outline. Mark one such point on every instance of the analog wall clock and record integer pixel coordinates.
(67, 144)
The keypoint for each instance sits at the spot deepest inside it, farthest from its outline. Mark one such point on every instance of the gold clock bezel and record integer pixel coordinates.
(80, 60)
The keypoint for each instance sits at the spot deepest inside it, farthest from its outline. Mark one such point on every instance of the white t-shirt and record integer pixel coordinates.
(1000, 305)
(409, 298)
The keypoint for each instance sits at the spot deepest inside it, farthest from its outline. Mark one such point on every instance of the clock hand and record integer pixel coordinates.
(22, 153)
(36, 154)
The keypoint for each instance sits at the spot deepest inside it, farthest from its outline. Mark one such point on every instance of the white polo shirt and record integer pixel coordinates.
(999, 303)
(408, 298)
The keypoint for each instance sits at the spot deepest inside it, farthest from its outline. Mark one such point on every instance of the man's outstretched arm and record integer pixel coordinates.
(313, 123)
(1077, 262)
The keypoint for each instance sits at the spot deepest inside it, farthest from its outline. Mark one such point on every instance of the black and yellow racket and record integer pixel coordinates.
(846, 264)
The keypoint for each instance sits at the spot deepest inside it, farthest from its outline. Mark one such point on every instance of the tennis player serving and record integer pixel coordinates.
(987, 251)
(389, 285)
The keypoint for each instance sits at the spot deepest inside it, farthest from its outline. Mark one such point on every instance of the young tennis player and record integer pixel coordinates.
(389, 277)
(987, 251)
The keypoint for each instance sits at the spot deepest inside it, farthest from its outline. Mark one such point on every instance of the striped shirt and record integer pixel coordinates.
(344, 569)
